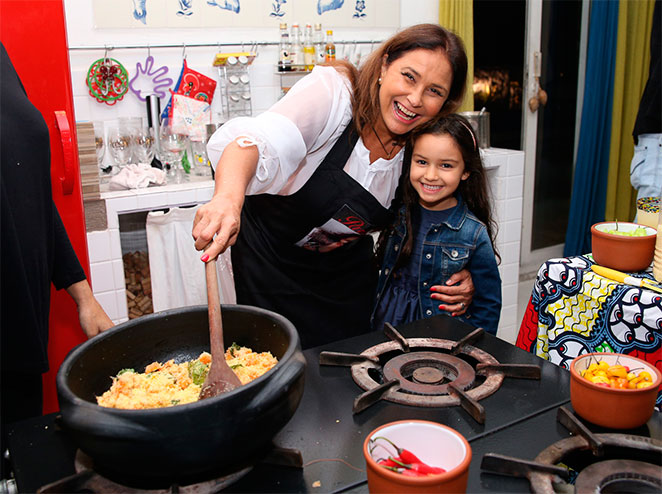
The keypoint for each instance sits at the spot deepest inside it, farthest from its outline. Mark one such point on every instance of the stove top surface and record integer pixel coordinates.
(520, 420)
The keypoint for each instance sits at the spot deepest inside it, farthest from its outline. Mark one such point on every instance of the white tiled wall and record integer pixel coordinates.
(505, 174)
(106, 265)
(506, 178)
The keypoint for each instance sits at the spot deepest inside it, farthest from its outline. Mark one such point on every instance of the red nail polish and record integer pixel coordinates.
(441, 307)
(205, 258)
(432, 289)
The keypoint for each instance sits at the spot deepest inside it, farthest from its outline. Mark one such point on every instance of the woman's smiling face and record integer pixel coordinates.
(414, 88)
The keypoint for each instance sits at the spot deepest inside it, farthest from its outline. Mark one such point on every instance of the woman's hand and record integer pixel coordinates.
(216, 226)
(93, 319)
(456, 294)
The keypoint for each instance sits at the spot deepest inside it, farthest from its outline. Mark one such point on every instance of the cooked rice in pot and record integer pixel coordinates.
(164, 385)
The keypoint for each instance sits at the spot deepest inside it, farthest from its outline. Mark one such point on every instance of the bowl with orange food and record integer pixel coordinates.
(613, 390)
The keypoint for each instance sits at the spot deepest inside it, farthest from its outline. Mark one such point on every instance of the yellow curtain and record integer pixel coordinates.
(630, 76)
(458, 16)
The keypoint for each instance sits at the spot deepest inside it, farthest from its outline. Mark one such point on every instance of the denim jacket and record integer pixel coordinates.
(460, 242)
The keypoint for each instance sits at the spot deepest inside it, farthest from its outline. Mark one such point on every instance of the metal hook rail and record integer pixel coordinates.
(203, 45)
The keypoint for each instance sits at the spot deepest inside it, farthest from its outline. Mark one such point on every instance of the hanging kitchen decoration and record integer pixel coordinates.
(150, 80)
(107, 80)
(192, 84)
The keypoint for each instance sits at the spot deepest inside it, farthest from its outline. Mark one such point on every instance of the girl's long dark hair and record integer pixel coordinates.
(474, 189)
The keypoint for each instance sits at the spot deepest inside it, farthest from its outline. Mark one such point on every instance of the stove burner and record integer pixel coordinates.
(619, 476)
(427, 372)
(424, 372)
(608, 475)
(87, 479)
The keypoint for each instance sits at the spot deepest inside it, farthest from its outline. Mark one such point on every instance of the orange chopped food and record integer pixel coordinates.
(167, 384)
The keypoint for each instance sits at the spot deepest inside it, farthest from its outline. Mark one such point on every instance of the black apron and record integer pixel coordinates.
(327, 295)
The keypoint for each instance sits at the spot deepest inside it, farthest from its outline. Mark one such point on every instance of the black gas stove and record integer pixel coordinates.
(515, 414)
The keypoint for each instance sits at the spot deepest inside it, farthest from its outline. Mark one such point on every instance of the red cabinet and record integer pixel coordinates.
(34, 34)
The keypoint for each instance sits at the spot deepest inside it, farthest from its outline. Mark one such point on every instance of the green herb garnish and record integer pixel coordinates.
(234, 347)
(197, 371)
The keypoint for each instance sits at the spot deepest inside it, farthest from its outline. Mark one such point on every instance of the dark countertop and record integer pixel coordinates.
(520, 421)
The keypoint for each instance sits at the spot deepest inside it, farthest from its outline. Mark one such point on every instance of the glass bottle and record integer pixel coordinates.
(308, 48)
(296, 51)
(330, 47)
(284, 60)
(318, 42)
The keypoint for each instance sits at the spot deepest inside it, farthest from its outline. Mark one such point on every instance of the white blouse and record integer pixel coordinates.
(296, 134)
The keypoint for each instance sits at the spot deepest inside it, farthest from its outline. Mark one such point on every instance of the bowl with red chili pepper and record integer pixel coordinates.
(614, 390)
(416, 456)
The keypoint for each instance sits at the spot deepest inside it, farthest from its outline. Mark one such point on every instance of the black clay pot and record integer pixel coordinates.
(177, 444)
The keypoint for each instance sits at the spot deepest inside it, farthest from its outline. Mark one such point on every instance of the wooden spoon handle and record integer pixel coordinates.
(214, 303)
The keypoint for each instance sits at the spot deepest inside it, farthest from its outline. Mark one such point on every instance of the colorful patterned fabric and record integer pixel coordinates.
(573, 311)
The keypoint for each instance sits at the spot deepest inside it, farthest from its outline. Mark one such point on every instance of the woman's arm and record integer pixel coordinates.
(217, 223)
(456, 295)
(93, 319)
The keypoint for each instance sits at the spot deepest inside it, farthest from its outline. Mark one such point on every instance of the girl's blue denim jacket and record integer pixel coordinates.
(460, 242)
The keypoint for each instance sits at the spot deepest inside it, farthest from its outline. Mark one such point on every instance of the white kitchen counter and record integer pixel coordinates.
(505, 169)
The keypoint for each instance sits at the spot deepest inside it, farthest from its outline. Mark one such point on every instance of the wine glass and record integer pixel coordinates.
(119, 143)
(173, 146)
(143, 145)
(105, 169)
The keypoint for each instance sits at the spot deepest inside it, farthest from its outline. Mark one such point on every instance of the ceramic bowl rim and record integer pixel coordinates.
(429, 479)
(596, 229)
(655, 373)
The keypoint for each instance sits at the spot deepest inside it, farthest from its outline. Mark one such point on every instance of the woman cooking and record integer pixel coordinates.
(300, 187)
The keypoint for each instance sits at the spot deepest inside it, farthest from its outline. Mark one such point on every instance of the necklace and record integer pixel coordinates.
(388, 153)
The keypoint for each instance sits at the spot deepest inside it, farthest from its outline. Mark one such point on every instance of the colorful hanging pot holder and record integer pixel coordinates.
(107, 80)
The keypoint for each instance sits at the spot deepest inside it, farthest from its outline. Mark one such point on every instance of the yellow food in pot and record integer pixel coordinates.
(168, 384)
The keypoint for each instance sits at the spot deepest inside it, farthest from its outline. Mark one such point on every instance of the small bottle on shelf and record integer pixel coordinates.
(330, 47)
(284, 60)
(296, 51)
(308, 48)
(318, 42)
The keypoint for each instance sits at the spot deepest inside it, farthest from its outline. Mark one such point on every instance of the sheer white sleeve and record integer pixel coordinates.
(307, 118)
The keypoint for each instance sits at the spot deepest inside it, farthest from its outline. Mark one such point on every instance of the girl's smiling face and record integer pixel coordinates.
(413, 89)
(437, 168)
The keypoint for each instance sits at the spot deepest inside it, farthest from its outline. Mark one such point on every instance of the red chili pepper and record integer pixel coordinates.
(413, 473)
(426, 469)
(388, 463)
(408, 457)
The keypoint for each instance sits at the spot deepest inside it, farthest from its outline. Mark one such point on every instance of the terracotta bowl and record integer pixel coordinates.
(433, 443)
(620, 252)
(610, 407)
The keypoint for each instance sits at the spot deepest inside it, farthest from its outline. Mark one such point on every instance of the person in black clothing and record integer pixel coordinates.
(646, 166)
(35, 251)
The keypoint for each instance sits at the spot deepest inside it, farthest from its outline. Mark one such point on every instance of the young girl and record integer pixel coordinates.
(444, 225)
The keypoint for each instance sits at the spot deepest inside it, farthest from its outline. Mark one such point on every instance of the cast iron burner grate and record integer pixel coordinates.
(427, 372)
(87, 479)
(612, 472)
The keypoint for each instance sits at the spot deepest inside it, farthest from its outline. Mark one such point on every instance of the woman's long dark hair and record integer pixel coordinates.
(474, 189)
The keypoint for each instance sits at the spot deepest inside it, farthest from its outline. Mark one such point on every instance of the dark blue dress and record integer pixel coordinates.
(399, 304)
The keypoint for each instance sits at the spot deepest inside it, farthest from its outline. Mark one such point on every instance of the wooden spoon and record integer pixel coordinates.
(220, 378)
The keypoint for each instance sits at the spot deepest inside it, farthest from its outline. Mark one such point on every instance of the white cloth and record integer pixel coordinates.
(178, 274)
(137, 177)
(646, 166)
(297, 132)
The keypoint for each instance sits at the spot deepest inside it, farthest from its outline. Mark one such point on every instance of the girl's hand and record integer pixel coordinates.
(456, 294)
(216, 226)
